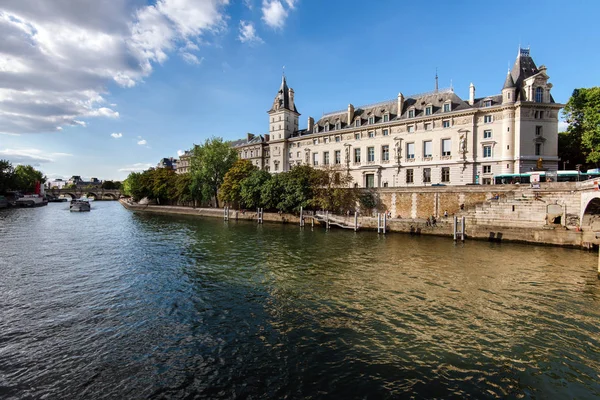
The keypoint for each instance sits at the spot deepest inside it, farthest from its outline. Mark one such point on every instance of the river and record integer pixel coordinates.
(113, 304)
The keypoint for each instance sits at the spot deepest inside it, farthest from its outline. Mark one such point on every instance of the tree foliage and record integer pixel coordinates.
(25, 178)
(209, 164)
(111, 185)
(582, 112)
(251, 189)
(230, 190)
(332, 190)
(6, 175)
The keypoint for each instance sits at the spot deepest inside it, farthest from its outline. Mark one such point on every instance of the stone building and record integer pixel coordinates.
(183, 164)
(423, 139)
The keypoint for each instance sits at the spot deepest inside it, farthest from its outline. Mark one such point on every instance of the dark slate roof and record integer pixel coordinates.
(509, 83)
(282, 100)
(523, 68)
(495, 99)
(245, 142)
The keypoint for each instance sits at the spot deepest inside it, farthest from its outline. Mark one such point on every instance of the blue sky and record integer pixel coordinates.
(163, 76)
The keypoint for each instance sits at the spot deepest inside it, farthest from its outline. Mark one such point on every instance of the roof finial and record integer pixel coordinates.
(436, 80)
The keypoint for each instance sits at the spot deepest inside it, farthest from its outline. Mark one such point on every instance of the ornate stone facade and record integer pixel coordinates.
(424, 139)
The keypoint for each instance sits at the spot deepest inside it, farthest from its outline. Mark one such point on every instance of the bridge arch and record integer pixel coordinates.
(109, 195)
(92, 194)
(71, 195)
(590, 214)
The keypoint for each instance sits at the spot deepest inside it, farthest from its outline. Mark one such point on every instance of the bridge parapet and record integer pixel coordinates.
(97, 193)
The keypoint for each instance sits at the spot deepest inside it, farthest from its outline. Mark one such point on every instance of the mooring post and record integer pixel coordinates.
(355, 221)
(454, 227)
(462, 229)
(312, 222)
(378, 223)
(326, 220)
(598, 263)
(301, 220)
(384, 222)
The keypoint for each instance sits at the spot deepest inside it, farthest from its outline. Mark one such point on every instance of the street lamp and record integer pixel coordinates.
(347, 146)
(398, 147)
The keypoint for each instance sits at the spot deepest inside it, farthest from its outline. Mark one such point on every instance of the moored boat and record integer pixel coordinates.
(80, 205)
(31, 200)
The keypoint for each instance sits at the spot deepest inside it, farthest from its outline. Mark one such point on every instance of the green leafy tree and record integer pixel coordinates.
(273, 192)
(6, 175)
(251, 189)
(183, 192)
(332, 190)
(209, 164)
(134, 186)
(162, 184)
(230, 190)
(109, 185)
(71, 186)
(25, 178)
(582, 112)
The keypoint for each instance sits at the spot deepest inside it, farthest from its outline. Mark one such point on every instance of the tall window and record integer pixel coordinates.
(445, 174)
(426, 175)
(386, 132)
(385, 153)
(446, 147)
(428, 110)
(386, 117)
(538, 130)
(338, 156)
(326, 158)
(538, 149)
(427, 148)
(337, 125)
(357, 136)
(315, 158)
(411, 113)
(370, 154)
(447, 107)
(326, 127)
(410, 150)
(539, 95)
(371, 120)
(487, 169)
(357, 122)
(487, 119)
(487, 151)
(410, 178)
(487, 134)
(356, 155)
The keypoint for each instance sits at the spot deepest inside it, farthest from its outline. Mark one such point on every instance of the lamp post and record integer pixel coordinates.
(347, 146)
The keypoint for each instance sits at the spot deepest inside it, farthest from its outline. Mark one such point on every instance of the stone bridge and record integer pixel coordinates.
(96, 193)
(590, 205)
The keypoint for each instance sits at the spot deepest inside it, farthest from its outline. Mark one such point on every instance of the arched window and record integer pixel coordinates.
(539, 95)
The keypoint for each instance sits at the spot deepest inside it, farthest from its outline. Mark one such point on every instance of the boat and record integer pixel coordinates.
(80, 205)
(31, 200)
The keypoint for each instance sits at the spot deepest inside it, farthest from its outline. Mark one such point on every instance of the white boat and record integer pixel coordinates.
(80, 205)
(31, 200)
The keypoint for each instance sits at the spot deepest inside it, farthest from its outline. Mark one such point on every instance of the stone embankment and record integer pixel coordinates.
(514, 215)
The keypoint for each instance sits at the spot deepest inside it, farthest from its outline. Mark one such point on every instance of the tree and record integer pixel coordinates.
(230, 190)
(209, 164)
(162, 184)
(109, 185)
(251, 188)
(26, 177)
(582, 112)
(133, 186)
(183, 192)
(332, 190)
(6, 175)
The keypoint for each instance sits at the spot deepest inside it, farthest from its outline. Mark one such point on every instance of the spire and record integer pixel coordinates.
(284, 98)
(436, 80)
(509, 83)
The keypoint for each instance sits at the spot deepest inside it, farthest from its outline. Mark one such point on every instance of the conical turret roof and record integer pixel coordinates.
(282, 99)
(509, 83)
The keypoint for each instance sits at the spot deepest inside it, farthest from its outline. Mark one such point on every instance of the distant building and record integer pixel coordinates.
(56, 183)
(183, 164)
(428, 138)
(77, 180)
(170, 163)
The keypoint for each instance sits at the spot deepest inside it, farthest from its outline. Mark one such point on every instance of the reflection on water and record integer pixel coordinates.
(112, 304)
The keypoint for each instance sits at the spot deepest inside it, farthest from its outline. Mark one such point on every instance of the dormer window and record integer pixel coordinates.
(386, 117)
(357, 123)
(539, 95)
(316, 129)
(326, 127)
(411, 113)
(487, 103)
(371, 120)
(338, 125)
(428, 110)
(447, 107)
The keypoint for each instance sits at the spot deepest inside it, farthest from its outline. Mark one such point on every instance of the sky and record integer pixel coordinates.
(100, 88)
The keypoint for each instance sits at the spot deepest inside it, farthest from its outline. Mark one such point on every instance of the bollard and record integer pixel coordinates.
(384, 222)
(355, 221)
(301, 218)
(462, 229)
(454, 227)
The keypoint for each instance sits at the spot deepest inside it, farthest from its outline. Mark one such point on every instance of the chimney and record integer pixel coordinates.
(311, 123)
(400, 103)
(471, 94)
(267, 137)
(250, 137)
(291, 97)
(350, 114)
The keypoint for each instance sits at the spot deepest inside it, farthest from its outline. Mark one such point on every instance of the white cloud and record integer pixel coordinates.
(142, 142)
(248, 3)
(248, 33)
(30, 156)
(137, 167)
(58, 58)
(116, 135)
(274, 14)
(191, 58)
(180, 153)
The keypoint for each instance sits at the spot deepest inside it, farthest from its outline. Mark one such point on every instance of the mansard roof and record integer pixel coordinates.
(282, 99)
(254, 139)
